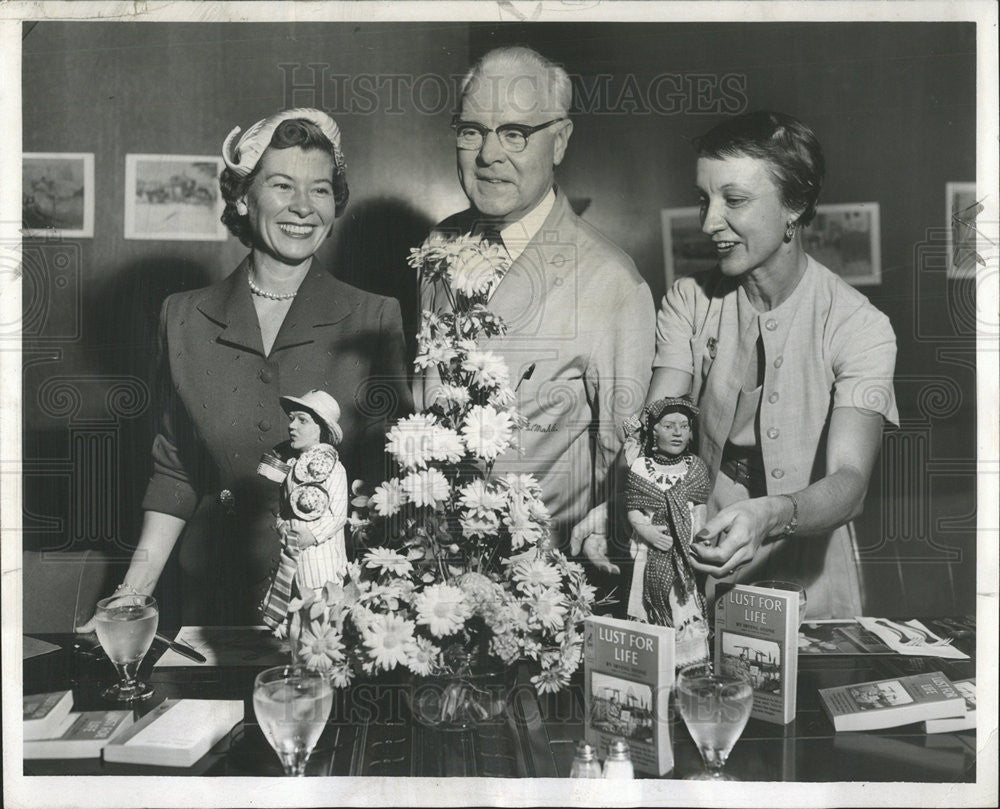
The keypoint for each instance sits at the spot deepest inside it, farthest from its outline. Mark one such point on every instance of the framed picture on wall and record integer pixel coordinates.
(173, 197)
(57, 194)
(686, 250)
(962, 208)
(846, 239)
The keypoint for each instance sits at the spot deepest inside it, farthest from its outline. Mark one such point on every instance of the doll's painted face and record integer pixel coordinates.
(672, 433)
(303, 430)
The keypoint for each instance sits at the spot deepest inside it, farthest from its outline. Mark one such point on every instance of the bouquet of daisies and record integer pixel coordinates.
(462, 562)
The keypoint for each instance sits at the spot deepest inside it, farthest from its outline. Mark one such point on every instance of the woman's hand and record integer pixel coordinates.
(655, 535)
(731, 538)
(91, 625)
(301, 536)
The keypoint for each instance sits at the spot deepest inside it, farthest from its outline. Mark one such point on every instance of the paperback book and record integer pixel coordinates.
(966, 721)
(177, 733)
(893, 702)
(82, 735)
(756, 634)
(628, 674)
(44, 714)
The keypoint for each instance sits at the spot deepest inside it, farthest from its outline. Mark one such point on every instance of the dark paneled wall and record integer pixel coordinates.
(893, 104)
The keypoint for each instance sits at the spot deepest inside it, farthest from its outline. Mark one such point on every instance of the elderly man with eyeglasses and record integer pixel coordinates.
(581, 321)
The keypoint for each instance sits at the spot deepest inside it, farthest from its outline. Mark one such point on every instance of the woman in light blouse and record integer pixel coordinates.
(791, 367)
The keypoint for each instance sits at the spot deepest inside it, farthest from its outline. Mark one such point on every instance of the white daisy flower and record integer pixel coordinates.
(502, 397)
(475, 269)
(442, 609)
(387, 637)
(550, 680)
(480, 497)
(446, 445)
(388, 497)
(548, 608)
(487, 433)
(479, 524)
(426, 488)
(452, 396)
(341, 675)
(321, 649)
(388, 560)
(536, 573)
(422, 656)
(522, 487)
(410, 441)
(430, 354)
(487, 368)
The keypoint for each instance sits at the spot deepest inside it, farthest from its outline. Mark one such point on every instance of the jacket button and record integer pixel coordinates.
(771, 325)
(264, 425)
(778, 361)
(773, 397)
(777, 473)
(266, 375)
(773, 433)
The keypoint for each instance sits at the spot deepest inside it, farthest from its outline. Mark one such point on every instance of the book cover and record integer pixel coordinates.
(44, 714)
(177, 733)
(839, 636)
(83, 735)
(628, 674)
(967, 688)
(893, 702)
(756, 633)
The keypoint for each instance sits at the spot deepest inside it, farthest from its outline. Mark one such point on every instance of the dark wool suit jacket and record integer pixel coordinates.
(219, 411)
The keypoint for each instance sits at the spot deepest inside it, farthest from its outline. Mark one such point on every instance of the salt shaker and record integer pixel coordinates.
(618, 763)
(585, 763)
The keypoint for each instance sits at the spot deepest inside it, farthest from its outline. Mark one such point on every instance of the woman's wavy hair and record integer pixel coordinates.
(293, 132)
(788, 146)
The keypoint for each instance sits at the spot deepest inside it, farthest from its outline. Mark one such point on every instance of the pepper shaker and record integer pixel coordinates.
(585, 763)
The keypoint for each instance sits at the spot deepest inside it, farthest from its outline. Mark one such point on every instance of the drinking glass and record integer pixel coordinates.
(126, 625)
(715, 708)
(292, 704)
(794, 587)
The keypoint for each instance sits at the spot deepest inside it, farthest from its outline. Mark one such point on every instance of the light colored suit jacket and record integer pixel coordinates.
(576, 307)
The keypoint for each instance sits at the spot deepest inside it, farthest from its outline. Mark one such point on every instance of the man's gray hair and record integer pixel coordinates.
(557, 88)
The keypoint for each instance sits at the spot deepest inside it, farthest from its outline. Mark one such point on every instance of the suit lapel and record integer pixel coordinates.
(230, 306)
(321, 301)
(521, 294)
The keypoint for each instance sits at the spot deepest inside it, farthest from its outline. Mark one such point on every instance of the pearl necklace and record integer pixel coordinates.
(263, 293)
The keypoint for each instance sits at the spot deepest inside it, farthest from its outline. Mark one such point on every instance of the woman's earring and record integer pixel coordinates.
(789, 232)
(241, 207)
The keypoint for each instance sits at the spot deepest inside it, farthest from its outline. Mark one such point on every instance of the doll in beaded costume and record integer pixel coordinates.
(314, 503)
(666, 488)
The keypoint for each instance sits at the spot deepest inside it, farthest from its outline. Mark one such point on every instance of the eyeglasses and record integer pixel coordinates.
(470, 136)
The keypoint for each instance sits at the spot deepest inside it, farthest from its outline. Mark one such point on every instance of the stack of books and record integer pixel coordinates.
(176, 733)
(53, 730)
(930, 698)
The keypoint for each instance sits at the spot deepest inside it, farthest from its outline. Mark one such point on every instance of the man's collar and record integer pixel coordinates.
(517, 234)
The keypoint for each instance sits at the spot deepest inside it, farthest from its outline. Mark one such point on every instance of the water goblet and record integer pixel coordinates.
(715, 708)
(292, 704)
(126, 625)
(794, 587)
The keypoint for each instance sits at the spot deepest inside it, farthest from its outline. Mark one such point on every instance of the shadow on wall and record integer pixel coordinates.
(371, 247)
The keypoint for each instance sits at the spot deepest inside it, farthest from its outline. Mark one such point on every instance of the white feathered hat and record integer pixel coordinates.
(241, 156)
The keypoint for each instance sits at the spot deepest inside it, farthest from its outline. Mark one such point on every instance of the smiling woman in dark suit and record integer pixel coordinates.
(279, 325)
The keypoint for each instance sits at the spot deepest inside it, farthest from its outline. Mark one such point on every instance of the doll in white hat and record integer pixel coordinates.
(314, 502)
